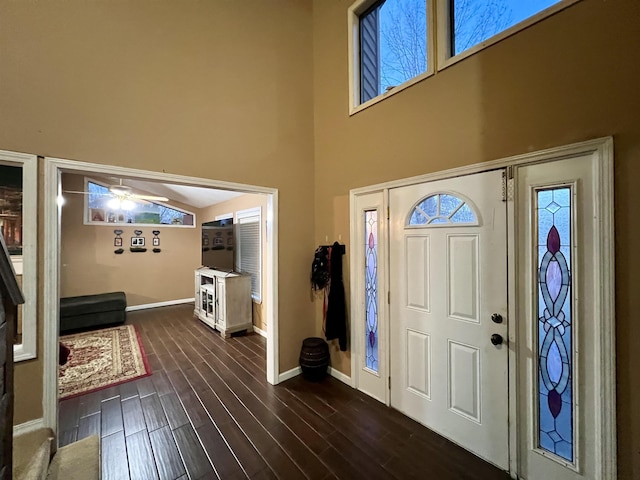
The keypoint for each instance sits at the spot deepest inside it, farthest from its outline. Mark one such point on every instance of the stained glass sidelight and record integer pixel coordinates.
(371, 288)
(440, 209)
(555, 343)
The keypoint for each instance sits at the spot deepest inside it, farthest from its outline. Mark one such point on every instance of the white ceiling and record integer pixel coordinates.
(199, 197)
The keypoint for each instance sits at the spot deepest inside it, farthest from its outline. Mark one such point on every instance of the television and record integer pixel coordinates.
(218, 244)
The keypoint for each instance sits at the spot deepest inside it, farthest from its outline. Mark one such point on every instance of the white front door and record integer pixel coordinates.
(448, 288)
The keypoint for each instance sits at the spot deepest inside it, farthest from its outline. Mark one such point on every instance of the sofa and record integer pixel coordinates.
(91, 311)
(35, 457)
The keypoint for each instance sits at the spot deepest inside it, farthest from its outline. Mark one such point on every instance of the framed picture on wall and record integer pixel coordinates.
(117, 242)
(156, 242)
(97, 214)
(137, 241)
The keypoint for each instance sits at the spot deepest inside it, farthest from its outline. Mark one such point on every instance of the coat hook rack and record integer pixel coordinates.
(343, 249)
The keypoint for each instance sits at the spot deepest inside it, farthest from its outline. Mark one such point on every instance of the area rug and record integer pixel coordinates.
(101, 359)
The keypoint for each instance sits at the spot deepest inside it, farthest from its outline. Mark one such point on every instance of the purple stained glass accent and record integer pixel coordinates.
(371, 288)
(554, 279)
(555, 403)
(555, 342)
(553, 240)
(554, 363)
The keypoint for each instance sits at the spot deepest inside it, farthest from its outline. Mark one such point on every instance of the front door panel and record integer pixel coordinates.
(448, 275)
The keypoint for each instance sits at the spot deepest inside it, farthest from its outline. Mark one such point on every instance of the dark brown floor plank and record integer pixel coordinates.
(141, 461)
(132, 416)
(128, 390)
(165, 452)
(153, 413)
(145, 387)
(114, 457)
(111, 416)
(89, 404)
(193, 455)
(197, 414)
(89, 425)
(173, 410)
(161, 383)
(69, 412)
(224, 462)
(67, 436)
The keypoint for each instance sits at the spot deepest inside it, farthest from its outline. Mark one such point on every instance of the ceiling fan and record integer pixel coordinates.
(123, 196)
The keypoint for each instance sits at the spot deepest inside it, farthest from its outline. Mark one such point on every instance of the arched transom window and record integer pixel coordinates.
(443, 209)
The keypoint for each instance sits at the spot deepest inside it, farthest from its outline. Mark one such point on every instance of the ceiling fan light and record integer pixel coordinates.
(114, 204)
(119, 190)
(127, 205)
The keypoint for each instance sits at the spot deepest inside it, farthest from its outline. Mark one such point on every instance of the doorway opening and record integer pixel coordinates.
(54, 169)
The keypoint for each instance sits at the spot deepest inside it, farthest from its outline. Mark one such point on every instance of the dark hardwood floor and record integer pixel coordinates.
(208, 412)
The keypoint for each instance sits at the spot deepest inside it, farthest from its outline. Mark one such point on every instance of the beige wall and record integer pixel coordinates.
(213, 89)
(569, 78)
(234, 205)
(225, 90)
(89, 264)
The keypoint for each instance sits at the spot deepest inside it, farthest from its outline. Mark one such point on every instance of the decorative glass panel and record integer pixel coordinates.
(442, 208)
(555, 343)
(371, 288)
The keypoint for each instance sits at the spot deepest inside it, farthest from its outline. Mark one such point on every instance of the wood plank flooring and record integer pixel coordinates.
(208, 412)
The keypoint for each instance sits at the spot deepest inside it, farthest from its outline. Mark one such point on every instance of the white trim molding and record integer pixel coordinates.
(338, 375)
(260, 332)
(53, 168)
(27, 264)
(28, 426)
(168, 303)
(294, 372)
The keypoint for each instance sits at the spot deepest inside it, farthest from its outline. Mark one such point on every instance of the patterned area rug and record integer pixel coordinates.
(101, 359)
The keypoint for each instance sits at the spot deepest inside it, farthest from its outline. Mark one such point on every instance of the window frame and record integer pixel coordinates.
(359, 8)
(439, 51)
(250, 213)
(87, 220)
(26, 264)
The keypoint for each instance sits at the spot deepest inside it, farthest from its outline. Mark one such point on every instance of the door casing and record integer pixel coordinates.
(602, 149)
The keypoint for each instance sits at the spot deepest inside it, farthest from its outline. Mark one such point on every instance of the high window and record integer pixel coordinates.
(103, 207)
(394, 43)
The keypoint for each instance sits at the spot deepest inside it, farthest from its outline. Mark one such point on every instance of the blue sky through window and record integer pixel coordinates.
(403, 29)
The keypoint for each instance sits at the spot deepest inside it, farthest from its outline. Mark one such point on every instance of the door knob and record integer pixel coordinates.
(496, 339)
(496, 318)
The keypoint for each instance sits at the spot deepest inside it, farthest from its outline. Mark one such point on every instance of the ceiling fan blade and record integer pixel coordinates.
(149, 197)
(84, 193)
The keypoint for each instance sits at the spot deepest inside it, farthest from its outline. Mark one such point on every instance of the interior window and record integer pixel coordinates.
(105, 207)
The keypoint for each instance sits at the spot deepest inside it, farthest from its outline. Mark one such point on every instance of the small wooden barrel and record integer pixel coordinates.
(314, 358)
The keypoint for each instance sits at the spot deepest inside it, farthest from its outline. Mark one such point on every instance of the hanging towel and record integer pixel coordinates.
(336, 323)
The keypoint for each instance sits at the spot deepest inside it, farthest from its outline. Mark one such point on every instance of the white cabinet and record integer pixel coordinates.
(223, 300)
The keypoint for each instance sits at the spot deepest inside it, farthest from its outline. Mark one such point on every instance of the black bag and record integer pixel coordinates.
(320, 271)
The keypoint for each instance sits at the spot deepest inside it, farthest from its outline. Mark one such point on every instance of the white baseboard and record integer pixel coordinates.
(337, 374)
(294, 372)
(262, 333)
(29, 426)
(159, 304)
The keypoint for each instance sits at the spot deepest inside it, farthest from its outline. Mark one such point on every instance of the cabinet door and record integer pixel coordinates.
(221, 303)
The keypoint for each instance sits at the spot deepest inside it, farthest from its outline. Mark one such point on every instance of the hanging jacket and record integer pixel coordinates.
(336, 323)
